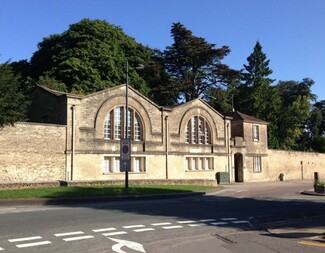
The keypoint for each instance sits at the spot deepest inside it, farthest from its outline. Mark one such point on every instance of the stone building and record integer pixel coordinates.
(76, 137)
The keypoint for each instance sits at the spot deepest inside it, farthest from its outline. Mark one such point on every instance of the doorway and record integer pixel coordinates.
(239, 172)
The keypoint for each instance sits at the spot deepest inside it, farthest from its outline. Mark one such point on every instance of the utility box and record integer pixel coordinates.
(222, 177)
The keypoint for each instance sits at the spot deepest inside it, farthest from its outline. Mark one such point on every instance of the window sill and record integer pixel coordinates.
(199, 170)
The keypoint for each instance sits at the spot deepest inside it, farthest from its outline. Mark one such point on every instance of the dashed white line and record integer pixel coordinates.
(197, 225)
(70, 233)
(219, 223)
(161, 224)
(33, 244)
(239, 222)
(134, 226)
(115, 233)
(228, 219)
(25, 239)
(143, 229)
(186, 221)
(172, 227)
(103, 230)
(208, 220)
(2, 248)
(78, 238)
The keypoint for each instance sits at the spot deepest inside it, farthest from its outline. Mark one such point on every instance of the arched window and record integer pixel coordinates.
(115, 125)
(197, 131)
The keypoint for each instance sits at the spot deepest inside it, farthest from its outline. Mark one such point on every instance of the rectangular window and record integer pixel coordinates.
(116, 164)
(118, 123)
(257, 164)
(256, 135)
(107, 127)
(136, 164)
(137, 129)
(187, 163)
(187, 133)
(194, 130)
(107, 164)
(198, 163)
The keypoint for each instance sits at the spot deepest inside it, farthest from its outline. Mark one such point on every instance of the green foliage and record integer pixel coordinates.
(90, 56)
(12, 101)
(295, 108)
(194, 64)
(97, 191)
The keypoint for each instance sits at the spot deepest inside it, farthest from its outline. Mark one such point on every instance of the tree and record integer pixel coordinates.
(313, 137)
(90, 56)
(194, 64)
(12, 101)
(256, 95)
(296, 100)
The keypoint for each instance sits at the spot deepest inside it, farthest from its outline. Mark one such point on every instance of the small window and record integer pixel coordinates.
(256, 134)
(257, 164)
(107, 164)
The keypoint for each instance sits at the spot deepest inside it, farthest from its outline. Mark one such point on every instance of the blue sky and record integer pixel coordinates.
(292, 32)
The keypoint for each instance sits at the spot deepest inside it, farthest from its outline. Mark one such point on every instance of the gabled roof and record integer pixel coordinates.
(239, 116)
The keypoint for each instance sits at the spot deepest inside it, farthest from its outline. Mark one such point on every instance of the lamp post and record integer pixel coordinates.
(126, 142)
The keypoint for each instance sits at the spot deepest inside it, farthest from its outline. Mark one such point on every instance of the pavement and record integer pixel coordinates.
(308, 230)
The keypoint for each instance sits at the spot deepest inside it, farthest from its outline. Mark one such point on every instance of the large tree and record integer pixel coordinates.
(12, 101)
(194, 64)
(296, 101)
(257, 96)
(90, 56)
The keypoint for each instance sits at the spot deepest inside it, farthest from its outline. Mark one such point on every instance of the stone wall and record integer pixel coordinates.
(32, 152)
(292, 164)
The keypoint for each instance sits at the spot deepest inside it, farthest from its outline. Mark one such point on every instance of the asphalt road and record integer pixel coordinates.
(239, 218)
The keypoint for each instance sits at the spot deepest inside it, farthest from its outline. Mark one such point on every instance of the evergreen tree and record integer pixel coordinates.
(194, 64)
(257, 97)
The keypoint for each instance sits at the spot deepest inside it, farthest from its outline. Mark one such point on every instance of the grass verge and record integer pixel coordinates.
(98, 191)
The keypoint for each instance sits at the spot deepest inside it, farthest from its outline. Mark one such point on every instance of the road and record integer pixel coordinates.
(268, 217)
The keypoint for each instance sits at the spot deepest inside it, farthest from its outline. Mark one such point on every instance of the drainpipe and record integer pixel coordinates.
(73, 109)
(167, 146)
(228, 151)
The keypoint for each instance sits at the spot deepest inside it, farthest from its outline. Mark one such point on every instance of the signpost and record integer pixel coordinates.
(125, 157)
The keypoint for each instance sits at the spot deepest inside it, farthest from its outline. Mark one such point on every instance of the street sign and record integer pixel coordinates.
(125, 154)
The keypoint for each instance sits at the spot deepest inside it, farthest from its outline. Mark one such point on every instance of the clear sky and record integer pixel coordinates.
(292, 32)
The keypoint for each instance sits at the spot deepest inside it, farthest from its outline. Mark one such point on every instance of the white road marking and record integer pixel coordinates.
(33, 244)
(172, 227)
(208, 220)
(186, 221)
(143, 229)
(2, 248)
(25, 239)
(70, 233)
(135, 246)
(103, 230)
(161, 224)
(115, 233)
(219, 223)
(134, 226)
(78, 238)
(228, 219)
(197, 225)
(239, 222)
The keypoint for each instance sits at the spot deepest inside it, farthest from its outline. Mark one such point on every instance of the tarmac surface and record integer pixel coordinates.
(212, 243)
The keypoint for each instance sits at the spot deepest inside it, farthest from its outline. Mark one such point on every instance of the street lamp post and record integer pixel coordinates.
(126, 143)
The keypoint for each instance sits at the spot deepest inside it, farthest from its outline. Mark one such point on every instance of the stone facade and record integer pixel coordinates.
(191, 141)
(32, 152)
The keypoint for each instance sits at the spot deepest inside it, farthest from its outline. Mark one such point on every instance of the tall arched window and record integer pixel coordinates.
(197, 131)
(115, 125)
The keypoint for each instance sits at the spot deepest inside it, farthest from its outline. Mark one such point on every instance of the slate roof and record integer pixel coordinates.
(239, 116)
